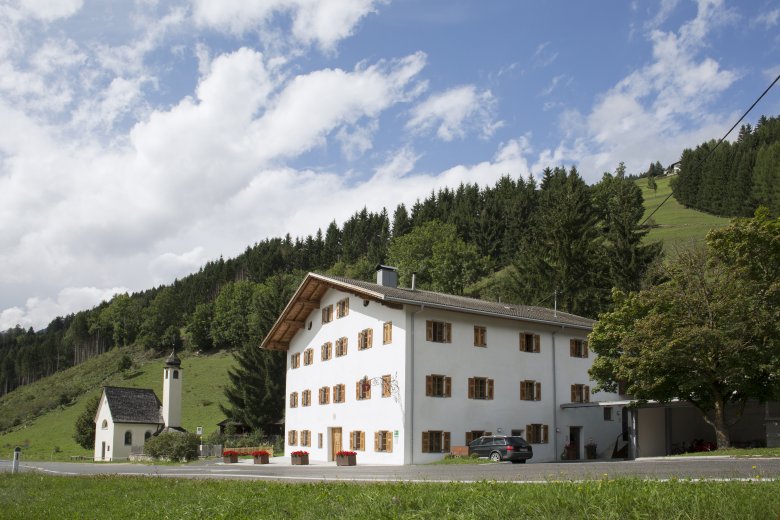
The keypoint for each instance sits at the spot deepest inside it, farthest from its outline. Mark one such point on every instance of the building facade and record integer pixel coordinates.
(402, 375)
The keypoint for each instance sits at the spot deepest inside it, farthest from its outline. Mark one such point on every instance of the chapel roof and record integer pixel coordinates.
(133, 405)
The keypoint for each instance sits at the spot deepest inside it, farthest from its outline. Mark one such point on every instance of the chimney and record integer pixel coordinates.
(386, 276)
(414, 281)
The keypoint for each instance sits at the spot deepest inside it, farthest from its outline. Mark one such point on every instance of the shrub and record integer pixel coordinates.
(173, 446)
(84, 434)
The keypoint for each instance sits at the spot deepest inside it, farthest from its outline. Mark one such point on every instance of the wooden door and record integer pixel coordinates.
(335, 442)
(103, 451)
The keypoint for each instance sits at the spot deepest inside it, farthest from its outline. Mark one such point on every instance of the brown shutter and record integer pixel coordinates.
(389, 442)
(522, 341)
(362, 440)
(471, 388)
(522, 391)
(344, 343)
(573, 393)
(572, 347)
(429, 330)
(469, 438)
(537, 342)
(490, 389)
(529, 434)
(357, 389)
(587, 394)
(346, 306)
(448, 332)
(351, 440)
(426, 445)
(376, 441)
(429, 385)
(487, 434)
(545, 434)
(585, 349)
(445, 442)
(476, 339)
(370, 337)
(538, 393)
(447, 386)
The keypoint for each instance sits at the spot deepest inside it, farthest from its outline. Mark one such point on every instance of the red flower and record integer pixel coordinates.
(230, 453)
(261, 453)
(346, 453)
(299, 453)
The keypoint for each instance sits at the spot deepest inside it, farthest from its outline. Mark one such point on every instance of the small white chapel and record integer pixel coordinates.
(127, 417)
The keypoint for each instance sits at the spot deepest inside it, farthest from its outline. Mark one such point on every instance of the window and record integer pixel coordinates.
(480, 336)
(580, 394)
(295, 360)
(383, 441)
(435, 442)
(607, 413)
(475, 434)
(319, 440)
(341, 347)
(326, 351)
(578, 348)
(176, 374)
(365, 339)
(387, 386)
(537, 434)
(357, 441)
(480, 388)
(339, 393)
(293, 399)
(325, 395)
(104, 425)
(305, 438)
(292, 437)
(530, 391)
(342, 308)
(306, 398)
(147, 435)
(438, 331)
(128, 438)
(327, 314)
(308, 356)
(438, 386)
(387, 332)
(517, 433)
(529, 342)
(363, 389)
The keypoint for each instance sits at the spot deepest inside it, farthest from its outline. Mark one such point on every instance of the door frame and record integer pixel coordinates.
(332, 445)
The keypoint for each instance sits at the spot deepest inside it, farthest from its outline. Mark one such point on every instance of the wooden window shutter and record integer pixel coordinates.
(545, 434)
(429, 330)
(522, 391)
(587, 394)
(572, 347)
(476, 339)
(445, 443)
(370, 337)
(469, 437)
(344, 343)
(522, 341)
(429, 385)
(448, 332)
(529, 433)
(490, 389)
(346, 306)
(376, 441)
(362, 440)
(357, 390)
(487, 434)
(585, 349)
(447, 386)
(537, 343)
(351, 440)
(538, 393)
(426, 444)
(573, 393)
(389, 442)
(471, 388)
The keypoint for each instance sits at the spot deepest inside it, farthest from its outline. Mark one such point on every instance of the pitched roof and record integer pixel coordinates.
(133, 405)
(314, 286)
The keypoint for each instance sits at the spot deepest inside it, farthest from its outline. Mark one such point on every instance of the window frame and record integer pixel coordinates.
(327, 314)
(480, 336)
(339, 393)
(306, 398)
(293, 403)
(342, 308)
(535, 388)
(292, 437)
(383, 441)
(442, 441)
(529, 340)
(295, 360)
(308, 356)
(578, 348)
(342, 345)
(580, 393)
(324, 395)
(362, 390)
(438, 385)
(481, 388)
(365, 339)
(326, 351)
(537, 433)
(438, 331)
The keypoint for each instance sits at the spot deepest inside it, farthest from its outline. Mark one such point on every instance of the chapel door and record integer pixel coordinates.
(335, 442)
(103, 451)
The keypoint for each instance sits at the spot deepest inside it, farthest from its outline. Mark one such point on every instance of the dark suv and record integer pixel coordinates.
(502, 447)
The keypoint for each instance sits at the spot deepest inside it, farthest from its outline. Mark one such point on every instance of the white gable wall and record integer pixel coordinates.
(113, 434)
(103, 434)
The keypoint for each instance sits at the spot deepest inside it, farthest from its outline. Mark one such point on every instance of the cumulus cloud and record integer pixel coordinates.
(455, 112)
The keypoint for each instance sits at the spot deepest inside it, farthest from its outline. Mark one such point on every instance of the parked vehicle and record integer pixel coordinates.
(502, 447)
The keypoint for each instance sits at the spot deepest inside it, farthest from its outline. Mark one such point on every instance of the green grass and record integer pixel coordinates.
(49, 436)
(677, 226)
(737, 452)
(462, 460)
(39, 496)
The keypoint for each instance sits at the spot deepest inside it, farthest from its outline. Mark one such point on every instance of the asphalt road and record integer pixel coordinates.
(666, 468)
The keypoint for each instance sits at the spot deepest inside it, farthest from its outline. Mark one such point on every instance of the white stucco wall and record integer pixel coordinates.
(113, 435)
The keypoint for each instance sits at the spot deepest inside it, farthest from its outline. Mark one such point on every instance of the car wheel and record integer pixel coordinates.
(495, 456)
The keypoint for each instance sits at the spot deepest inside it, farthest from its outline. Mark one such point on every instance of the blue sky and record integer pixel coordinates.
(144, 138)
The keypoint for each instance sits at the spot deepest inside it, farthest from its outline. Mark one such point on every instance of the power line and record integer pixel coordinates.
(716, 145)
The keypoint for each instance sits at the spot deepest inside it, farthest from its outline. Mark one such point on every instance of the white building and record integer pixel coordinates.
(403, 375)
(127, 417)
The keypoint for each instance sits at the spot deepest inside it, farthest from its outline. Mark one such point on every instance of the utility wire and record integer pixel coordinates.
(716, 145)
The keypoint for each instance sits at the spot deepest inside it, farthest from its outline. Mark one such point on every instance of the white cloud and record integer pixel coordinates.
(561, 79)
(455, 112)
(768, 19)
(543, 56)
(37, 312)
(49, 10)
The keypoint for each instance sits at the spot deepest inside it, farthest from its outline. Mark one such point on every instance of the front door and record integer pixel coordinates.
(103, 451)
(574, 441)
(335, 442)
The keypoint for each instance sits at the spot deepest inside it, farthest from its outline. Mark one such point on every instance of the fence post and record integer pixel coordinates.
(15, 465)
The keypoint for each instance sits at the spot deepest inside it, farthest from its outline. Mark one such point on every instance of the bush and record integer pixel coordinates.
(173, 446)
(84, 434)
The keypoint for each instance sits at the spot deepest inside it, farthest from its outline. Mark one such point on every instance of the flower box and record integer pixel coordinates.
(229, 457)
(261, 457)
(346, 458)
(300, 458)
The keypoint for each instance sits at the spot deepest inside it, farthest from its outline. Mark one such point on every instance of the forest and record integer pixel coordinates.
(733, 179)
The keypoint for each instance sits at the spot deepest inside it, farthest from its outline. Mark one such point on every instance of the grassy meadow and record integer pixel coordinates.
(49, 435)
(43, 496)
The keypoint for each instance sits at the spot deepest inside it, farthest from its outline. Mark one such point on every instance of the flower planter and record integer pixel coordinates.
(300, 460)
(261, 459)
(346, 460)
(230, 459)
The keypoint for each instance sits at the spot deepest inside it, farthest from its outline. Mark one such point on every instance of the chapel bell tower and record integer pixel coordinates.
(172, 375)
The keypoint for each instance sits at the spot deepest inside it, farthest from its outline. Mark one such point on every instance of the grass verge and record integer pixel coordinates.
(736, 452)
(41, 496)
(462, 460)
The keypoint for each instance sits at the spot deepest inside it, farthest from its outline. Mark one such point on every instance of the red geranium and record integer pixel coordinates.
(346, 453)
(229, 453)
(261, 453)
(299, 453)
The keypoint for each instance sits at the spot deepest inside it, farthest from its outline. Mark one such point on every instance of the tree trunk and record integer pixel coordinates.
(719, 423)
